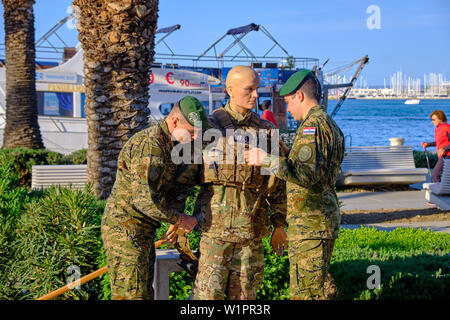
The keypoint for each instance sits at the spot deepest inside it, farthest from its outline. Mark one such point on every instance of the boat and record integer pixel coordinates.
(412, 101)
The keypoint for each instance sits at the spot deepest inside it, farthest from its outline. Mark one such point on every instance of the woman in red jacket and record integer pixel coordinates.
(442, 142)
(267, 114)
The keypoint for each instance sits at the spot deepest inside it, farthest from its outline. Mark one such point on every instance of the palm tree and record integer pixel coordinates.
(118, 41)
(22, 127)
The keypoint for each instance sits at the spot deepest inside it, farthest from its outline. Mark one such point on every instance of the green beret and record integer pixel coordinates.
(295, 81)
(193, 111)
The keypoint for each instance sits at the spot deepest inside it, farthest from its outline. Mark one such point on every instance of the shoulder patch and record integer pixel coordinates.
(305, 153)
(309, 130)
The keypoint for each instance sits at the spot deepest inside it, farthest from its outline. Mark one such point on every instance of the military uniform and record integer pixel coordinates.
(149, 188)
(234, 201)
(313, 213)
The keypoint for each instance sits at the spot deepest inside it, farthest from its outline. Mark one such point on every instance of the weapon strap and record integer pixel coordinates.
(224, 119)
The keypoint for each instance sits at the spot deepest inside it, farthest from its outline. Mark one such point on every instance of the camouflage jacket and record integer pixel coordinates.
(311, 170)
(236, 213)
(149, 187)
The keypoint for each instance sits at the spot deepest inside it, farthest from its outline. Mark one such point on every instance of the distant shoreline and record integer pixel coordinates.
(390, 98)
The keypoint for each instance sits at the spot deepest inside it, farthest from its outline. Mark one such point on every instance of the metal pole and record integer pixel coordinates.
(428, 162)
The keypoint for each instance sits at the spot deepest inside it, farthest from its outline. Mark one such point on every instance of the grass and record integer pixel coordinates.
(414, 264)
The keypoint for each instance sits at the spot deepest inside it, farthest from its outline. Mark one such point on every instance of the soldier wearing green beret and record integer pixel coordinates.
(310, 170)
(149, 188)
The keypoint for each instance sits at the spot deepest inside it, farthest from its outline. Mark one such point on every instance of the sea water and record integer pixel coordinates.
(373, 122)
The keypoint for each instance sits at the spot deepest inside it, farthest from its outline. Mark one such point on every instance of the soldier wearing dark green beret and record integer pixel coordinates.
(310, 170)
(149, 189)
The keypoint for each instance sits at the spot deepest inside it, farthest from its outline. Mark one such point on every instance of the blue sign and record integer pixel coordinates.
(267, 77)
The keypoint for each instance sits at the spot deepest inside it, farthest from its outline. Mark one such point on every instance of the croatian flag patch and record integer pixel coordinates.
(309, 130)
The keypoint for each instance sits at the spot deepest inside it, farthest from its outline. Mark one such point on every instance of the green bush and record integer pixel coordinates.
(420, 159)
(20, 160)
(14, 199)
(76, 157)
(60, 230)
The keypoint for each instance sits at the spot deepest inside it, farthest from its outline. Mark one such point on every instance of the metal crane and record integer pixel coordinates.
(362, 62)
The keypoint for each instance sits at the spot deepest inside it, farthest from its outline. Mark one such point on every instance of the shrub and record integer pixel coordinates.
(420, 159)
(14, 199)
(76, 157)
(60, 230)
(20, 160)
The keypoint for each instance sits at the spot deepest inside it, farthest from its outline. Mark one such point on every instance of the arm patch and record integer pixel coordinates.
(306, 153)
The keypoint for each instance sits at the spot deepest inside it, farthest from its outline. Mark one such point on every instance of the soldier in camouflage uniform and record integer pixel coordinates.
(234, 202)
(149, 188)
(310, 170)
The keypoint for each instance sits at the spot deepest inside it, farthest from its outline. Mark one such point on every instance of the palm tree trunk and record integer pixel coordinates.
(118, 42)
(22, 127)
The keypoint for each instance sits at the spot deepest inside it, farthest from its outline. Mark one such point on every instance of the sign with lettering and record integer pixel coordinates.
(180, 79)
(59, 77)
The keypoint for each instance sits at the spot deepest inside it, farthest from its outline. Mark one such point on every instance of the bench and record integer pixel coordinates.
(45, 176)
(380, 165)
(439, 193)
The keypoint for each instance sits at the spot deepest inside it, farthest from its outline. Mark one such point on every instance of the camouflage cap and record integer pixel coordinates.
(193, 111)
(295, 81)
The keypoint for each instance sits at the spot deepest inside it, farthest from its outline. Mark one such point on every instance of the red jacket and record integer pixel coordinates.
(268, 115)
(441, 136)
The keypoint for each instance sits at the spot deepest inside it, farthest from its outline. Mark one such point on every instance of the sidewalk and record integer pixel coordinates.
(383, 200)
(390, 200)
(437, 226)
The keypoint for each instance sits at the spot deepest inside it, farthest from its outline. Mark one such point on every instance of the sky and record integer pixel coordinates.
(409, 36)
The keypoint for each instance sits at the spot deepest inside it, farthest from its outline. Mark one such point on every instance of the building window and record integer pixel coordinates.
(55, 104)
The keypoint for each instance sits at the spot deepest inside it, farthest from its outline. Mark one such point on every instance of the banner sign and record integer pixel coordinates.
(59, 77)
(180, 79)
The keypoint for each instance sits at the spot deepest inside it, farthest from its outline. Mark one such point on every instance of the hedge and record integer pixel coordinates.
(420, 159)
(20, 160)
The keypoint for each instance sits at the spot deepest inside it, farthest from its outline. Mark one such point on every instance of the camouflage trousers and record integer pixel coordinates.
(234, 269)
(130, 256)
(309, 262)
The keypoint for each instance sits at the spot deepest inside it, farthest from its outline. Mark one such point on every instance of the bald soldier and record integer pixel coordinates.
(149, 189)
(234, 201)
(310, 171)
